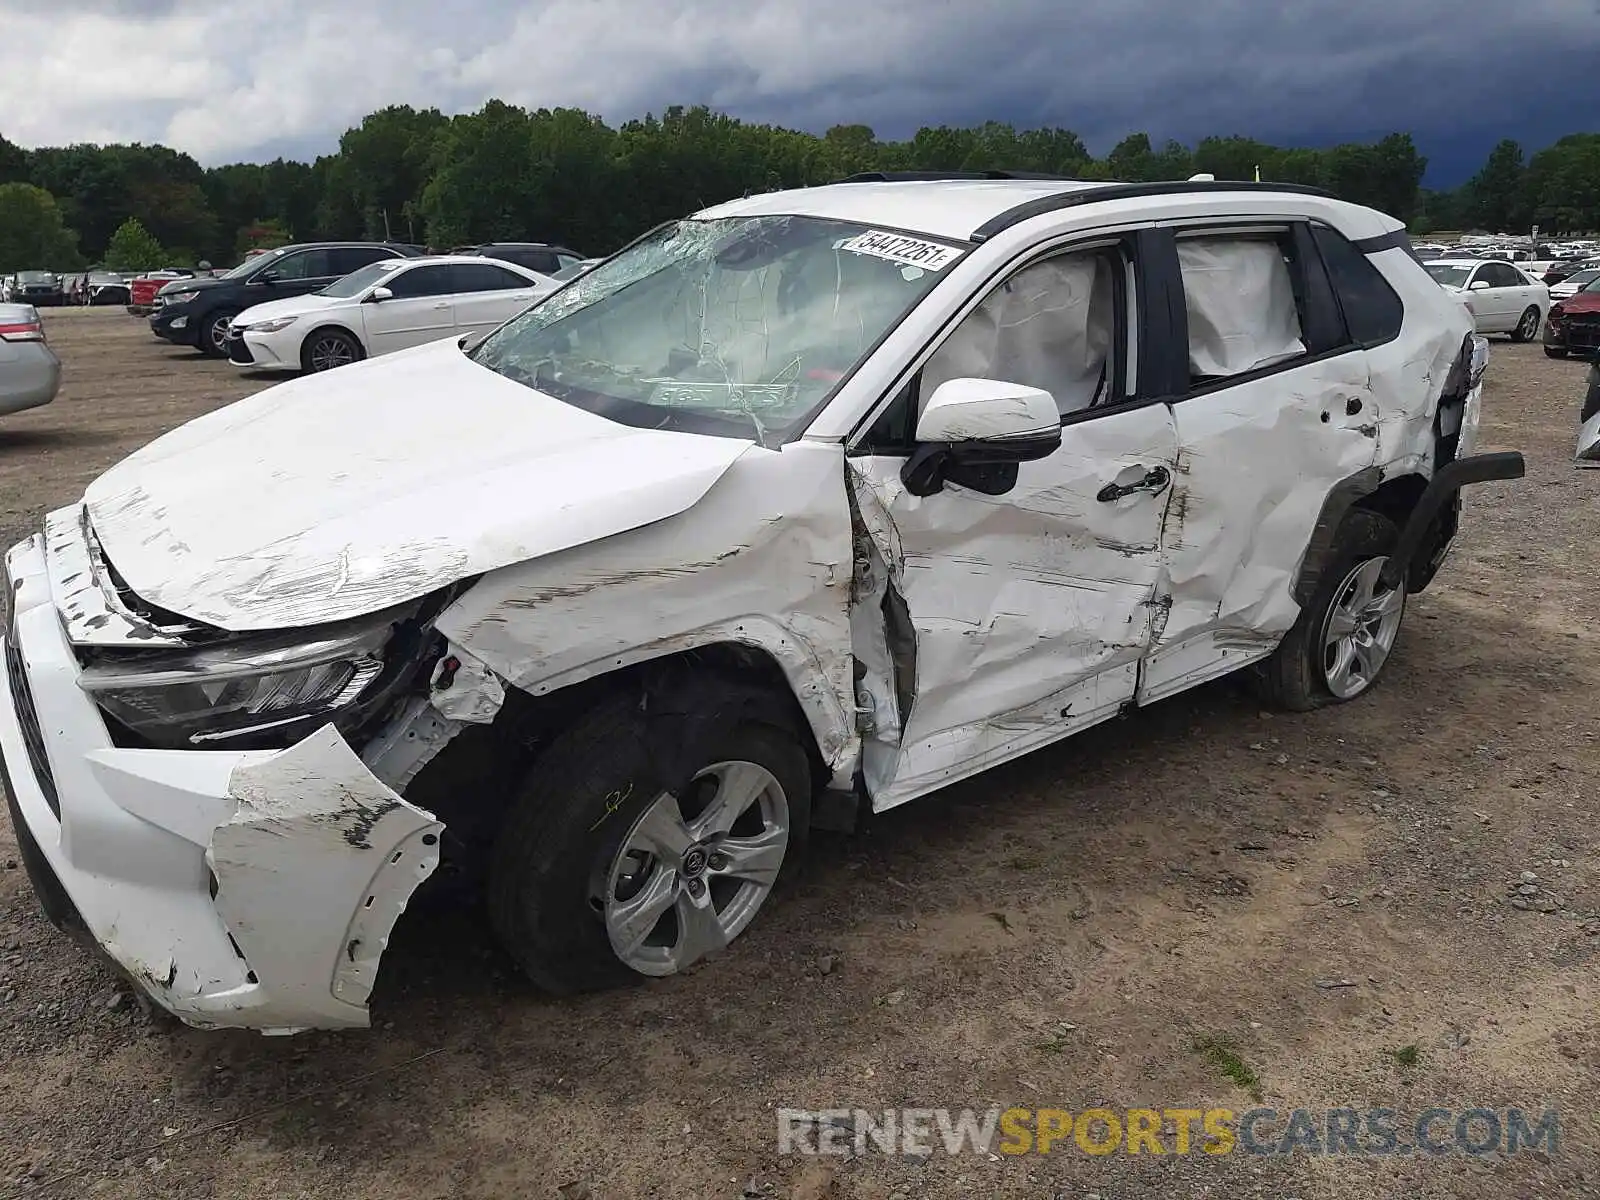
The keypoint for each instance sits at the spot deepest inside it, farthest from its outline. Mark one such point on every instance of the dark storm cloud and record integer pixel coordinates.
(232, 82)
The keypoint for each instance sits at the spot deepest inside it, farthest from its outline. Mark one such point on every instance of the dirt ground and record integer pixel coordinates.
(1329, 894)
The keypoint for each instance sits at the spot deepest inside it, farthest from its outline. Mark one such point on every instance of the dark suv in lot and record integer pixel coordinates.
(38, 288)
(542, 257)
(197, 312)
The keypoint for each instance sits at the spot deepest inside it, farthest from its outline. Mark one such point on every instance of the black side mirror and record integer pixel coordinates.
(267, 277)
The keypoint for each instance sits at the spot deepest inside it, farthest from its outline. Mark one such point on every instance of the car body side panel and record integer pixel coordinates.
(1409, 374)
(1257, 460)
(1029, 610)
(1253, 604)
(763, 560)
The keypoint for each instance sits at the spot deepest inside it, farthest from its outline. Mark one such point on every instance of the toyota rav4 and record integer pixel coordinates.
(809, 504)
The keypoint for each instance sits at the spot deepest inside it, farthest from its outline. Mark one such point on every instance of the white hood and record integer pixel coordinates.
(345, 492)
(289, 306)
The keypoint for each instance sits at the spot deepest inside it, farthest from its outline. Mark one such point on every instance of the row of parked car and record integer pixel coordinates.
(1563, 299)
(319, 305)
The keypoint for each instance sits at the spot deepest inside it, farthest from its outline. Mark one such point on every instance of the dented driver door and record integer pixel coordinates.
(988, 625)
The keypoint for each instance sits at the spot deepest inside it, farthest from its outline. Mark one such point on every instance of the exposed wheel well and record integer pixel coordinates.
(472, 780)
(1394, 498)
(1368, 490)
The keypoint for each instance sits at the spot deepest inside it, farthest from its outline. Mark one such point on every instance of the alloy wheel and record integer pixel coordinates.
(694, 870)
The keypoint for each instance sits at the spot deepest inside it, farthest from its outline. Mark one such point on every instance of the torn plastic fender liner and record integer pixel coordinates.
(1446, 482)
(313, 869)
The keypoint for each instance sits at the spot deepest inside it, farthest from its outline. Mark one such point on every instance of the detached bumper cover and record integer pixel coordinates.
(1442, 489)
(252, 889)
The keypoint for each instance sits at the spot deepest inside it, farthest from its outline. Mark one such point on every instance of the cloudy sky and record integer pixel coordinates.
(256, 79)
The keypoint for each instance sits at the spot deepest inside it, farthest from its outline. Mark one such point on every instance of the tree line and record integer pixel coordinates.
(564, 175)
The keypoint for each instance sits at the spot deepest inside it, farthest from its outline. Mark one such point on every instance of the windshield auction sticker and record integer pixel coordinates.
(898, 248)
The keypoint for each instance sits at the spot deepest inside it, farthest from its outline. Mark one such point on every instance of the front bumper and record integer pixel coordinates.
(1577, 334)
(264, 351)
(174, 323)
(253, 889)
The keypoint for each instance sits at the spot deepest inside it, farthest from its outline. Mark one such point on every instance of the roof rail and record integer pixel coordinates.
(1128, 191)
(937, 176)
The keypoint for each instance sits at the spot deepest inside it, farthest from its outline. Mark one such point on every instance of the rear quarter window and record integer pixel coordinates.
(1372, 311)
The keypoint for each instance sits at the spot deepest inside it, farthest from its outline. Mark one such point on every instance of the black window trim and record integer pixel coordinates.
(1125, 239)
(488, 264)
(1177, 346)
(445, 268)
(1368, 344)
(302, 252)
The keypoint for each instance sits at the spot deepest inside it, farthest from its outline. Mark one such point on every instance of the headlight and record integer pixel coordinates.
(177, 297)
(272, 326)
(210, 698)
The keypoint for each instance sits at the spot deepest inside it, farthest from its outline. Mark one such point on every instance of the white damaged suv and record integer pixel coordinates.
(816, 500)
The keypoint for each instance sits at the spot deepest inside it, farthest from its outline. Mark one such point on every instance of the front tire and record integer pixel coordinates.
(327, 349)
(1554, 352)
(1528, 326)
(211, 339)
(1338, 647)
(643, 840)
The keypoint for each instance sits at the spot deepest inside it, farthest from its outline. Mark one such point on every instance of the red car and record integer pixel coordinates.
(142, 291)
(1574, 325)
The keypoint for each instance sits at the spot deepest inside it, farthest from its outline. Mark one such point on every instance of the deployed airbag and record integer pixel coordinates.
(1241, 305)
(1049, 326)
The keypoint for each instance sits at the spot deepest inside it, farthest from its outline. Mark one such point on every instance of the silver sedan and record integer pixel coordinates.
(30, 372)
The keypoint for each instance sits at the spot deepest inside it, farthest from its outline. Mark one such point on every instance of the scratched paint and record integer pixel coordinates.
(1018, 601)
(765, 561)
(313, 869)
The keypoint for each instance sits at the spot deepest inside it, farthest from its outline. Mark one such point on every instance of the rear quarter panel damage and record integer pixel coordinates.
(763, 560)
(1258, 462)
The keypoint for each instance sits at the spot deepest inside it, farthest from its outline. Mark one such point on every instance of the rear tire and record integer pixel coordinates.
(586, 837)
(1338, 647)
(1554, 352)
(1528, 327)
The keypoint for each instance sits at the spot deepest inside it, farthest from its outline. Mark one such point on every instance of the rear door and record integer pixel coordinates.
(295, 274)
(345, 259)
(1278, 408)
(487, 295)
(421, 308)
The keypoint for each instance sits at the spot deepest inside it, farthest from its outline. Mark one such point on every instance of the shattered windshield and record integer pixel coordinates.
(739, 326)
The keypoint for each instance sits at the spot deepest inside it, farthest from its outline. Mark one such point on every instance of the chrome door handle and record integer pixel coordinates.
(1155, 480)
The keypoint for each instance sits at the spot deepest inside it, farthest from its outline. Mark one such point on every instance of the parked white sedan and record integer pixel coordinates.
(387, 306)
(1502, 298)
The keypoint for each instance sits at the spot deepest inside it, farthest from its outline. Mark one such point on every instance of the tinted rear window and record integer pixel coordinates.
(1372, 311)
